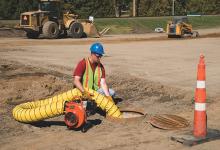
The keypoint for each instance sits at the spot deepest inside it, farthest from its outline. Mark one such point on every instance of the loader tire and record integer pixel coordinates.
(76, 30)
(50, 30)
(170, 36)
(32, 35)
(182, 34)
(195, 34)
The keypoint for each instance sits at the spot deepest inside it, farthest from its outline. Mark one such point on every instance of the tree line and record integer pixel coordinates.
(11, 9)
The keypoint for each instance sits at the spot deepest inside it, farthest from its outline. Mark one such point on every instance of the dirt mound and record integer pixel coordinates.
(149, 96)
(20, 83)
(8, 32)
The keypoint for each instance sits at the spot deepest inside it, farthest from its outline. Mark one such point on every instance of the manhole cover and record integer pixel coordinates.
(168, 122)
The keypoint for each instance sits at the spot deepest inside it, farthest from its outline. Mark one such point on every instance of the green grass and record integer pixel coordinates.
(148, 24)
(131, 25)
(139, 24)
(205, 22)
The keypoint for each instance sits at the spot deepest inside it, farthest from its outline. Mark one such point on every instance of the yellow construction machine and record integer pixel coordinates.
(51, 21)
(179, 27)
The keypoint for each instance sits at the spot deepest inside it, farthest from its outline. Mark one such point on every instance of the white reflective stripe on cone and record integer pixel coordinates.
(200, 84)
(200, 106)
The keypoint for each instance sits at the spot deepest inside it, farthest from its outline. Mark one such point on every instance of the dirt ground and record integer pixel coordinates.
(148, 72)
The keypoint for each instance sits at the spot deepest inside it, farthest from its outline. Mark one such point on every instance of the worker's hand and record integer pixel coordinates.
(110, 99)
(86, 95)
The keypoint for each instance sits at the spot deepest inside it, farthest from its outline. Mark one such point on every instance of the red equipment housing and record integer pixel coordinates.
(75, 114)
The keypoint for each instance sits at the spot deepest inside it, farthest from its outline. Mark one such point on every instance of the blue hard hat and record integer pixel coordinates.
(97, 48)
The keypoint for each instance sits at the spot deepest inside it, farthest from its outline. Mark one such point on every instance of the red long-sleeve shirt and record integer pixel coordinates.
(81, 67)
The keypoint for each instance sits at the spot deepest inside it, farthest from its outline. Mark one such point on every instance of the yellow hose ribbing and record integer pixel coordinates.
(51, 107)
(106, 105)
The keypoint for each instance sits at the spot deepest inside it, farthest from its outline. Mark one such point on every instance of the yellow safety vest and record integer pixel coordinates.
(90, 79)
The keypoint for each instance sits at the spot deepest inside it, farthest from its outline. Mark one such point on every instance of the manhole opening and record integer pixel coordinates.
(131, 114)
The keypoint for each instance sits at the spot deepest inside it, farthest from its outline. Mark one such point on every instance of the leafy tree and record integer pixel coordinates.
(154, 7)
(97, 8)
(8, 9)
(11, 9)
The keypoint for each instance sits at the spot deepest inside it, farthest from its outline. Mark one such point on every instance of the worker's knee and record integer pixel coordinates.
(111, 92)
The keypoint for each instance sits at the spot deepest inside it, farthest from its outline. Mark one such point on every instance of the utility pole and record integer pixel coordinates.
(134, 8)
(173, 8)
(116, 8)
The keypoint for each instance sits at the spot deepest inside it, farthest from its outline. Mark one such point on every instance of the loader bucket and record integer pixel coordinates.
(91, 30)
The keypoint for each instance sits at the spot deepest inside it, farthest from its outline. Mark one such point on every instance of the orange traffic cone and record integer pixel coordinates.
(200, 133)
(200, 122)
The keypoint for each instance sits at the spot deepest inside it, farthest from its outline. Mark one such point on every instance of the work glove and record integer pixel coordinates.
(86, 95)
(110, 99)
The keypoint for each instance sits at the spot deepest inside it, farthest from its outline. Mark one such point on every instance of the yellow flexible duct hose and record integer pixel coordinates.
(105, 104)
(51, 107)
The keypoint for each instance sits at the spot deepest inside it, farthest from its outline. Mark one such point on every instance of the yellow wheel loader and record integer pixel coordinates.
(179, 27)
(50, 21)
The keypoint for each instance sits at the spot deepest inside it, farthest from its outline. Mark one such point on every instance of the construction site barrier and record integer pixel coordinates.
(200, 119)
(51, 107)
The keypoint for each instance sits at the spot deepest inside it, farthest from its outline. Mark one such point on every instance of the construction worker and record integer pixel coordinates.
(90, 73)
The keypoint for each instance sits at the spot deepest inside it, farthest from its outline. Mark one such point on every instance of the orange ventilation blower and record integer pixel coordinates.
(76, 113)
